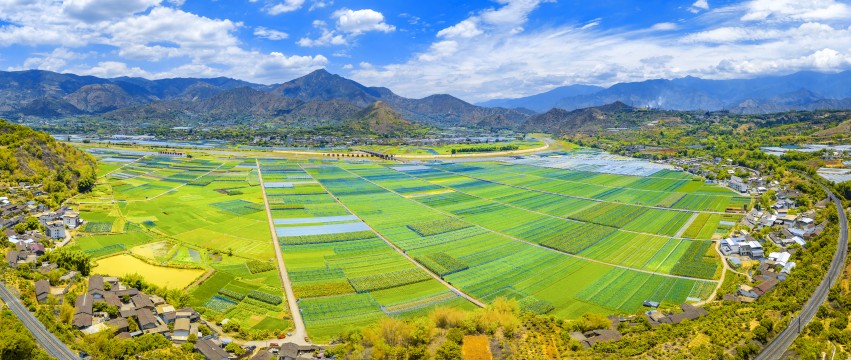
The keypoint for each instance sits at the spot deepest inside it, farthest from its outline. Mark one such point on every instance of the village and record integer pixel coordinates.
(32, 230)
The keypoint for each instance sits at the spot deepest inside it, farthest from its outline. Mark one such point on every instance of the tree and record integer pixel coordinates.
(448, 351)
(17, 342)
(71, 259)
(235, 349)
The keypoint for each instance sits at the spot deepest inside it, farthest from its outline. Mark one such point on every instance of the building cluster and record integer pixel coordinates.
(653, 317)
(150, 312)
(55, 222)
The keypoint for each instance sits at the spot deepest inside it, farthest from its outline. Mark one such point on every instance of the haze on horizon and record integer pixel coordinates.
(477, 50)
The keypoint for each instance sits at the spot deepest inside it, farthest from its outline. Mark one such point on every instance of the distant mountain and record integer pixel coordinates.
(588, 120)
(440, 110)
(319, 98)
(799, 91)
(543, 101)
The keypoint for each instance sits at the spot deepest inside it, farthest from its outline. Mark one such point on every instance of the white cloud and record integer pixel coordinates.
(111, 69)
(664, 26)
(803, 10)
(285, 7)
(465, 29)
(328, 37)
(591, 24)
(53, 61)
(99, 10)
(698, 6)
(349, 24)
(320, 4)
(361, 21)
(270, 34)
(186, 44)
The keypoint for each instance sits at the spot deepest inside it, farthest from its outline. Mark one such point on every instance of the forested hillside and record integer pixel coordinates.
(37, 158)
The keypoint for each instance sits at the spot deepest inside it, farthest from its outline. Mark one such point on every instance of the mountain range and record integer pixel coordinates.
(317, 99)
(322, 99)
(798, 91)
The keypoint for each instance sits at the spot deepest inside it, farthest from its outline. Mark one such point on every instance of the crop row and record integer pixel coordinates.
(438, 226)
(325, 238)
(322, 288)
(388, 279)
(442, 264)
(264, 297)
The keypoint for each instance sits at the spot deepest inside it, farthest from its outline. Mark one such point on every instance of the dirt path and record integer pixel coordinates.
(300, 333)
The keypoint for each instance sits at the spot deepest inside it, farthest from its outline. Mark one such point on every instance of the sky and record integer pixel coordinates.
(476, 50)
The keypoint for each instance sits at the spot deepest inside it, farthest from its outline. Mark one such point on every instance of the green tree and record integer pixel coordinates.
(448, 351)
(235, 349)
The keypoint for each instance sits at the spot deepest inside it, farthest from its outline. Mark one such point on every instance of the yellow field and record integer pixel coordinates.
(172, 278)
(153, 250)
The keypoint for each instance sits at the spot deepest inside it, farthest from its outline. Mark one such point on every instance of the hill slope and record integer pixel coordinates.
(589, 120)
(382, 120)
(36, 157)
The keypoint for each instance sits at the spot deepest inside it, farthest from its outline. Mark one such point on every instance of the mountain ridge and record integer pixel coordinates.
(805, 90)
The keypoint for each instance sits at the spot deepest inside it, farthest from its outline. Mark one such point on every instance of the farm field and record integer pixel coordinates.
(196, 214)
(167, 277)
(343, 274)
(488, 249)
(362, 240)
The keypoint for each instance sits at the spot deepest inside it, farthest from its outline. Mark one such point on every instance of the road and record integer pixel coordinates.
(778, 346)
(53, 346)
(299, 334)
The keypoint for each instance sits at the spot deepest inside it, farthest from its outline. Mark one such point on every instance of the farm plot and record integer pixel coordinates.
(637, 190)
(206, 225)
(342, 273)
(483, 263)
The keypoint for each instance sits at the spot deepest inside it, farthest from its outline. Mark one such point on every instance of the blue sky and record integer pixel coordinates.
(476, 50)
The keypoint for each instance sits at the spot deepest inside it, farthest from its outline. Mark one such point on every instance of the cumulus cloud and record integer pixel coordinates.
(270, 34)
(349, 24)
(285, 7)
(361, 21)
(465, 29)
(140, 30)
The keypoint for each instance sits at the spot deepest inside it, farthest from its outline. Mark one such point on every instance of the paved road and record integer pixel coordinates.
(778, 346)
(299, 333)
(45, 338)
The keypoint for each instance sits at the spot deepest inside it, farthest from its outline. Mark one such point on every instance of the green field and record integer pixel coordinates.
(365, 240)
(190, 206)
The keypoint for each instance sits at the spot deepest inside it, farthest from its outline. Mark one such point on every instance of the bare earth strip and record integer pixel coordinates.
(299, 334)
